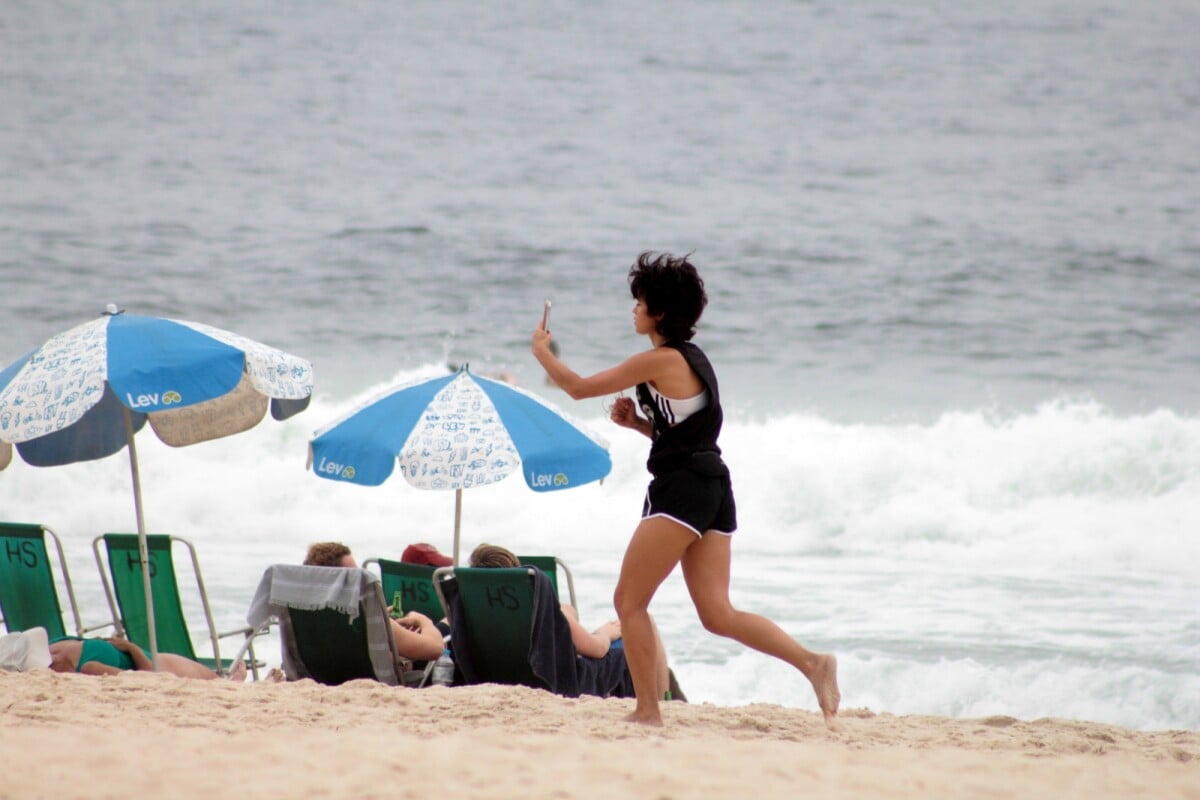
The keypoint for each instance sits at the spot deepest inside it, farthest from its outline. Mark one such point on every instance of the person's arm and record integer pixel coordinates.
(417, 637)
(624, 413)
(96, 668)
(640, 368)
(593, 644)
(140, 661)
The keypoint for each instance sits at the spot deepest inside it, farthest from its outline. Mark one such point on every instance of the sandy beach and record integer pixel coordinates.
(140, 734)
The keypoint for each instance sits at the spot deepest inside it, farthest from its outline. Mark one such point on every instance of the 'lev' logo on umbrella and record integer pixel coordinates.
(327, 467)
(169, 397)
(546, 480)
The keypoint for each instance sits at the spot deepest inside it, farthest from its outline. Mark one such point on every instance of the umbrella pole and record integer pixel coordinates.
(457, 521)
(141, 529)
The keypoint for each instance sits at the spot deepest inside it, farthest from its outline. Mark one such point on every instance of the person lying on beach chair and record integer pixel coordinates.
(591, 644)
(418, 638)
(115, 655)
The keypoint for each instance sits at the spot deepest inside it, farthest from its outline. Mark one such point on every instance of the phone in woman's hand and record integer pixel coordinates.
(546, 316)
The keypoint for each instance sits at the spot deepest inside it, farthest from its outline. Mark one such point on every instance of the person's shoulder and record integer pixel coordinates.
(671, 350)
(687, 346)
(655, 359)
(691, 352)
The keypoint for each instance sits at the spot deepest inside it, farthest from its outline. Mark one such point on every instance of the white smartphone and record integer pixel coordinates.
(546, 316)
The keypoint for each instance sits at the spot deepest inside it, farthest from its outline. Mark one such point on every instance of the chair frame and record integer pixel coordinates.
(215, 636)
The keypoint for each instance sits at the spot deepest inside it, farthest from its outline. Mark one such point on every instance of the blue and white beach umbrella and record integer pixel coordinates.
(456, 432)
(84, 394)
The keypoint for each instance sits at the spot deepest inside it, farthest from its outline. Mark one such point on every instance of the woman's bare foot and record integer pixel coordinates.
(643, 718)
(238, 673)
(824, 683)
(276, 676)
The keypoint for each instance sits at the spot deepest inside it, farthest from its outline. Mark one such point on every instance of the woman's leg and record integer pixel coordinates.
(706, 572)
(662, 671)
(184, 667)
(655, 549)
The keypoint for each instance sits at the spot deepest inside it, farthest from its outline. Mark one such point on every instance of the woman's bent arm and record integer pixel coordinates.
(651, 365)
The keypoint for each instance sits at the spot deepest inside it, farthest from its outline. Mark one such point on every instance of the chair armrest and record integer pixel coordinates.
(245, 630)
(116, 628)
(248, 645)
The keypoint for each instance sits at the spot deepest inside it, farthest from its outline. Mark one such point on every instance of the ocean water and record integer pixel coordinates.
(952, 254)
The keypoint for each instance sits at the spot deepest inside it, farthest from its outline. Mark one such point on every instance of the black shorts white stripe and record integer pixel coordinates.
(697, 502)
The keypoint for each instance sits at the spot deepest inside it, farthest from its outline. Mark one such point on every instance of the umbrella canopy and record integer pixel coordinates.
(84, 393)
(456, 432)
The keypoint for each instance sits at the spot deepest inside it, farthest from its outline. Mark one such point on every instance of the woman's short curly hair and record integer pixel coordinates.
(669, 285)
(494, 556)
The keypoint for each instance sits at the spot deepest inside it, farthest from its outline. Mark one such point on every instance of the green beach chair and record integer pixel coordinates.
(331, 650)
(413, 581)
(497, 609)
(127, 599)
(320, 639)
(28, 596)
(496, 626)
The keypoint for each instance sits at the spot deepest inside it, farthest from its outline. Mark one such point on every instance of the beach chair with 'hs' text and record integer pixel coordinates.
(506, 626)
(414, 582)
(28, 596)
(127, 598)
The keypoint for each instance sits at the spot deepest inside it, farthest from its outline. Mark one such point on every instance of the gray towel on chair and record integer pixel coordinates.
(285, 586)
(309, 588)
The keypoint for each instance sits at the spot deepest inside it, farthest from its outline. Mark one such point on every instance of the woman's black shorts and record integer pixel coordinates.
(699, 503)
